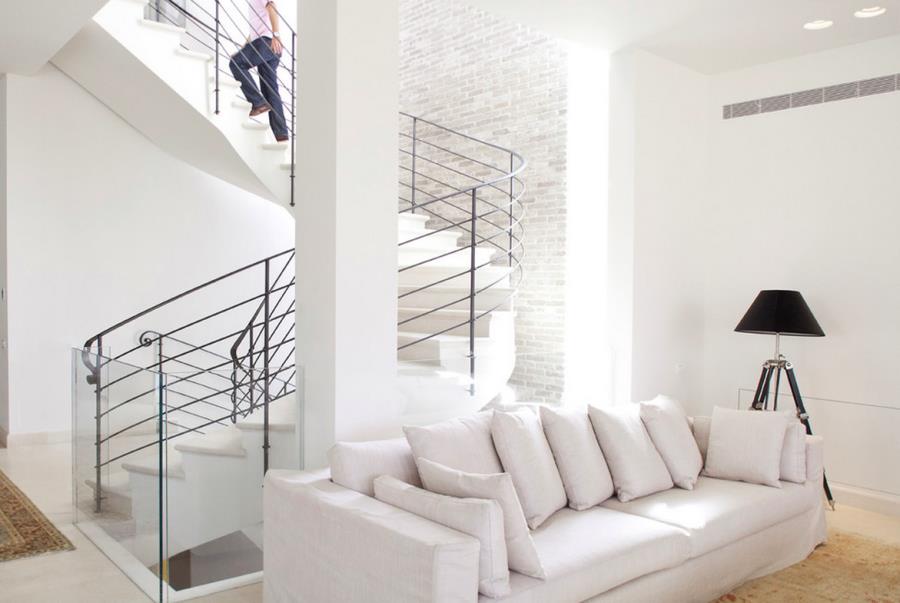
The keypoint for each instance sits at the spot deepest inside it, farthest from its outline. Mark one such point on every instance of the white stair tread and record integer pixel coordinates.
(225, 80)
(255, 125)
(221, 442)
(193, 54)
(239, 103)
(410, 336)
(149, 465)
(276, 146)
(161, 26)
(117, 483)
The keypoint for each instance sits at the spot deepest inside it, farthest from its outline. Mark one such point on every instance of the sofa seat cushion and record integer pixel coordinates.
(588, 552)
(718, 512)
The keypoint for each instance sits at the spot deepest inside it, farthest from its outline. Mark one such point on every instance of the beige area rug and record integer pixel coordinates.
(848, 568)
(25, 531)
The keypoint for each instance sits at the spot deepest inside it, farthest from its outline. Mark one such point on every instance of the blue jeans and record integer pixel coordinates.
(258, 53)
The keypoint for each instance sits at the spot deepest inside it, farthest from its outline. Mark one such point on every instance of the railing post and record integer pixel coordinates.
(97, 424)
(472, 247)
(218, 43)
(161, 483)
(293, 112)
(266, 373)
(511, 184)
(414, 139)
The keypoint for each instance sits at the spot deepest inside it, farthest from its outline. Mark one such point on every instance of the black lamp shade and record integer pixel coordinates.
(782, 312)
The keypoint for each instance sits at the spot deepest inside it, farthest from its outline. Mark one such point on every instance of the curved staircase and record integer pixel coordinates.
(181, 408)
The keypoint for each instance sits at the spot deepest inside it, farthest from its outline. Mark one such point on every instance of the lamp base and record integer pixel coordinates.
(761, 399)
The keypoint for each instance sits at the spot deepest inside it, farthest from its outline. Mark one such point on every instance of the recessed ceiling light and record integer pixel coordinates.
(868, 13)
(818, 24)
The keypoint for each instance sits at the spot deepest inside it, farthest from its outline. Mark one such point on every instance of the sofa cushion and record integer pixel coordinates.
(464, 443)
(355, 465)
(793, 453)
(700, 427)
(526, 456)
(592, 551)
(520, 550)
(476, 517)
(670, 431)
(635, 465)
(717, 512)
(582, 467)
(746, 445)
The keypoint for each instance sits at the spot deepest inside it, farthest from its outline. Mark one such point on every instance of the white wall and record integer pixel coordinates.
(658, 137)
(347, 221)
(102, 224)
(802, 199)
(807, 199)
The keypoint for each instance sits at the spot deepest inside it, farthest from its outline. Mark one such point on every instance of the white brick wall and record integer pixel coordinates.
(506, 84)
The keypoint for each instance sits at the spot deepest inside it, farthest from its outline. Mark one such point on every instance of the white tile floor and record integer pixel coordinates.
(85, 575)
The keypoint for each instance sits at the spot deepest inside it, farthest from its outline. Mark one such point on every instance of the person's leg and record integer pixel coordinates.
(241, 63)
(268, 76)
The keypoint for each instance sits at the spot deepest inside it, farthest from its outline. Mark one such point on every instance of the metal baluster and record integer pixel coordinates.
(266, 372)
(472, 298)
(97, 423)
(218, 43)
(414, 138)
(161, 442)
(511, 183)
(293, 113)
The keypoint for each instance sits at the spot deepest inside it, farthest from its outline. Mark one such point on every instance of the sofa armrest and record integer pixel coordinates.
(324, 542)
(815, 458)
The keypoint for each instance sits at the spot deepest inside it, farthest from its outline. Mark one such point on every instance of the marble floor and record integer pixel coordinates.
(43, 472)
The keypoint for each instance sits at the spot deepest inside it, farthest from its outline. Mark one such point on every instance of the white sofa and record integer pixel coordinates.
(326, 543)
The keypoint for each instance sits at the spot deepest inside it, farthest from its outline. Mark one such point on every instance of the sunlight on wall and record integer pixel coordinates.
(587, 378)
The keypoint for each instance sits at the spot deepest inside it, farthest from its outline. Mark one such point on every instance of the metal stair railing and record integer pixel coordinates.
(200, 375)
(479, 196)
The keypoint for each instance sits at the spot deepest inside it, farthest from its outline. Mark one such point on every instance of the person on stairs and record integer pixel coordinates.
(263, 52)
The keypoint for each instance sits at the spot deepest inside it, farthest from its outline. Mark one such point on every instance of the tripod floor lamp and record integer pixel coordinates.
(779, 312)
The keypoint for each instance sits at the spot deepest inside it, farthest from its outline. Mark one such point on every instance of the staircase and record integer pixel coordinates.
(180, 409)
(180, 93)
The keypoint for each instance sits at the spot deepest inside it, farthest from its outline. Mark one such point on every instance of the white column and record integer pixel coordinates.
(4, 343)
(346, 215)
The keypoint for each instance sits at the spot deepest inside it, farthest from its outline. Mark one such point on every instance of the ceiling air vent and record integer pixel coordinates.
(816, 96)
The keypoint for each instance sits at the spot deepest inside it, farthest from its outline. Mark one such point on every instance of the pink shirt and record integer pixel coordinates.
(260, 25)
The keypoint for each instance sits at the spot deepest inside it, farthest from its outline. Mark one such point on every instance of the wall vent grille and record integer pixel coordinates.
(817, 96)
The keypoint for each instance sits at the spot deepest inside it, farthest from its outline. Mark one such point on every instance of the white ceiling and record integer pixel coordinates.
(710, 36)
(32, 31)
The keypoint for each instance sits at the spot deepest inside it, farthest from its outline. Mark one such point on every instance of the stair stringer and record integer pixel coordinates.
(101, 64)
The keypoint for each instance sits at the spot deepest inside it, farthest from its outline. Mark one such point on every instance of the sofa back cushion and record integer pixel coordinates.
(526, 456)
(520, 550)
(700, 427)
(582, 467)
(670, 431)
(637, 468)
(464, 443)
(480, 518)
(355, 465)
(746, 445)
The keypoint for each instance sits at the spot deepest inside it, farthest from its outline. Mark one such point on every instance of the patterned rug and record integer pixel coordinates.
(24, 531)
(848, 568)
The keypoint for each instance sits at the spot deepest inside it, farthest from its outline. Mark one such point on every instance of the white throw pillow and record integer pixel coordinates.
(670, 432)
(520, 550)
(582, 467)
(477, 517)
(746, 445)
(464, 443)
(637, 468)
(526, 456)
(355, 465)
(700, 427)
(793, 454)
